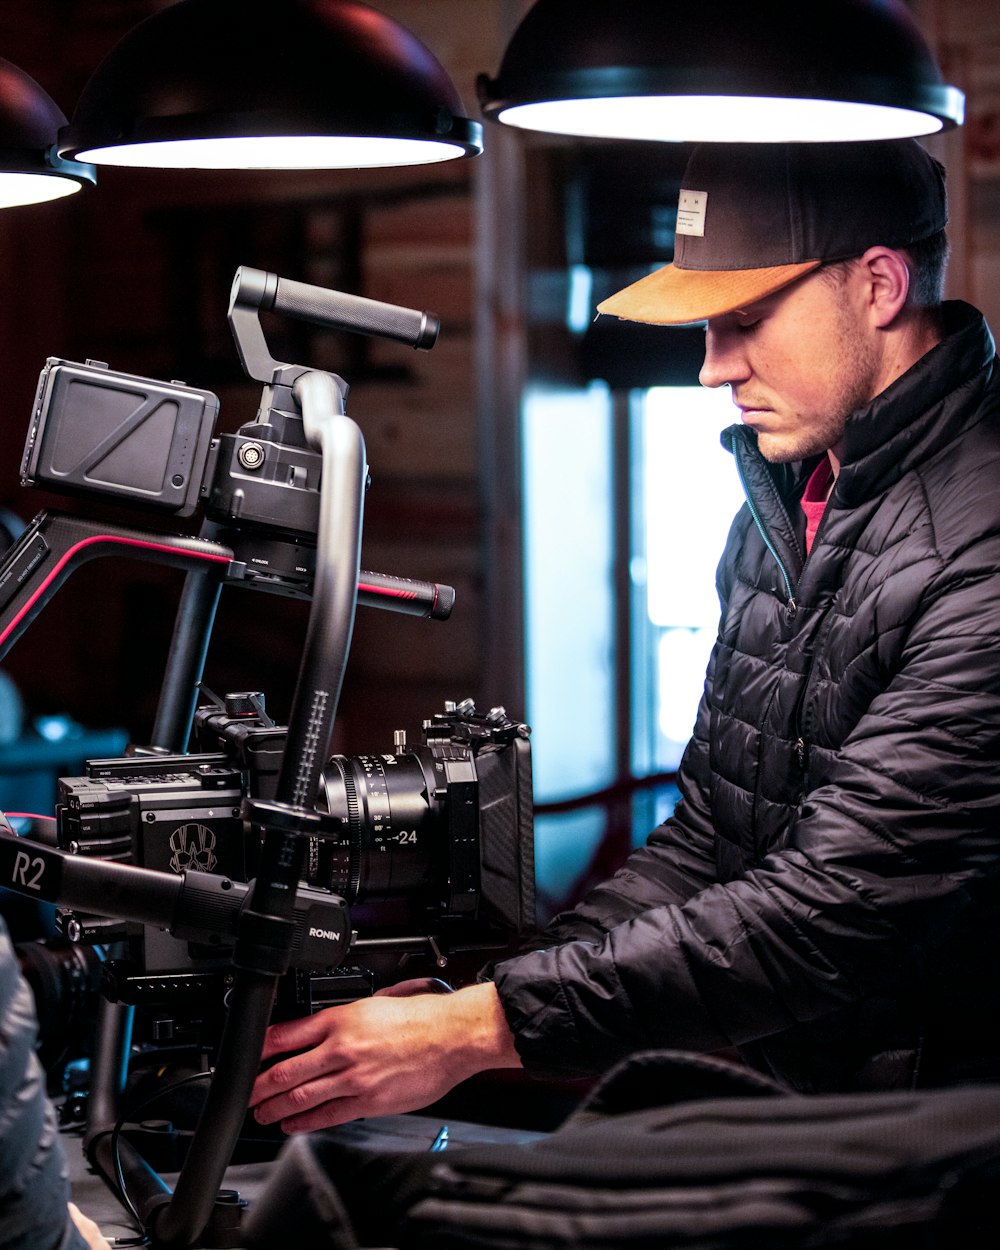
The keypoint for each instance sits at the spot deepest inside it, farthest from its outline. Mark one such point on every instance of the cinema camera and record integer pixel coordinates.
(422, 861)
(236, 861)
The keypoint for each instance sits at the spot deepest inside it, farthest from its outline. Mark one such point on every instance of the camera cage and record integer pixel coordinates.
(308, 545)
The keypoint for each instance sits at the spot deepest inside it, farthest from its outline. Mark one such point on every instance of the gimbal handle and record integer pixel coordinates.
(192, 906)
(254, 290)
(55, 544)
(41, 560)
(38, 564)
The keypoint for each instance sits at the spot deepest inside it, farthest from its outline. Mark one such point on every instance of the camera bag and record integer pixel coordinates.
(679, 1150)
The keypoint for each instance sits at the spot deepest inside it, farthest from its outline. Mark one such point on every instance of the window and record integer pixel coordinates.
(667, 510)
(569, 628)
(689, 495)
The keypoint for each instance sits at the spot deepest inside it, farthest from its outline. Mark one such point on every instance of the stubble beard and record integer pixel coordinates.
(856, 386)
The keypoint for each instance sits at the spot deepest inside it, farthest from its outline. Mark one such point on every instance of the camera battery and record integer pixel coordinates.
(95, 431)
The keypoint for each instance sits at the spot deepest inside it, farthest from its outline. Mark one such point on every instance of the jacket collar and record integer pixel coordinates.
(918, 414)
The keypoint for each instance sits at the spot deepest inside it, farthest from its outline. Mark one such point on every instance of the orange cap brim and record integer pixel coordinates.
(677, 297)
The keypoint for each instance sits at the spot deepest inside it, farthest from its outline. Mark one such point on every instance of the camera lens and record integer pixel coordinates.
(387, 847)
(65, 980)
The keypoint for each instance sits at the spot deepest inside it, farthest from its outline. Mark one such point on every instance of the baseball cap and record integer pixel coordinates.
(751, 218)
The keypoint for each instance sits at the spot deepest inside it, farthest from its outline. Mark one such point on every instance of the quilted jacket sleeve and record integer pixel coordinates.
(897, 847)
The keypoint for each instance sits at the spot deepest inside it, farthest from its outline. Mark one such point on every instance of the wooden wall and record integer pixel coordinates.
(966, 37)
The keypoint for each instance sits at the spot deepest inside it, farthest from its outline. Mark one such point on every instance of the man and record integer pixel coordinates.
(826, 895)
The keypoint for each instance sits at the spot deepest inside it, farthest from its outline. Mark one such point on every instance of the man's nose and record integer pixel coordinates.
(725, 360)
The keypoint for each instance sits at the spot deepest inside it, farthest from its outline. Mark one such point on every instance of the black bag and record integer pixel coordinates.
(678, 1150)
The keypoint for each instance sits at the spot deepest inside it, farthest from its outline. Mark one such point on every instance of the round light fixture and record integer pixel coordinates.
(30, 169)
(269, 84)
(721, 71)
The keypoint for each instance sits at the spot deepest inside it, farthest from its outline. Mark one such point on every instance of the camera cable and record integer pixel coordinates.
(116, 1133)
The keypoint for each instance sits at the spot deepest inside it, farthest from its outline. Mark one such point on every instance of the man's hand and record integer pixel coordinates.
(395, 1052)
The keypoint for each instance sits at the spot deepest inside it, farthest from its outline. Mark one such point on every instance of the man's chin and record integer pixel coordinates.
(778, 450)
(785, 448)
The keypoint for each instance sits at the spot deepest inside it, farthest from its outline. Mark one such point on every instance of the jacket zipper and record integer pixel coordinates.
(800, 748)
(768, 542)
(802, 727)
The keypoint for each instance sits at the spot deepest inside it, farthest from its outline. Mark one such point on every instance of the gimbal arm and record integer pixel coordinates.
(266, 927)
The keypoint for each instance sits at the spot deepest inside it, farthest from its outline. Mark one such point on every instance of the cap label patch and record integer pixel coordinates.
(691, 208)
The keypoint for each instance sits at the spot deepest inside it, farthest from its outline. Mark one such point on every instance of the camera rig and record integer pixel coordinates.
(427, 848)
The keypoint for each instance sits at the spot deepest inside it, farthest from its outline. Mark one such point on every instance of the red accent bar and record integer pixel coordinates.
(71, 552)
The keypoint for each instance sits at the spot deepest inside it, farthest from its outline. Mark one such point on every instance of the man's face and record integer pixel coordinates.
(799, 363)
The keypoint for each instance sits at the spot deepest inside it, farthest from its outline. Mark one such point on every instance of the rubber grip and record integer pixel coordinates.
(341, 311)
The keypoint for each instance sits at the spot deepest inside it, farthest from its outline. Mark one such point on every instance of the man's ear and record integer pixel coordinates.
(887, 276)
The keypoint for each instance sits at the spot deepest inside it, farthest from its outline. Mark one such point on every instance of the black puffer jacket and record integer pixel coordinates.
(827, 894)
(33, 1177)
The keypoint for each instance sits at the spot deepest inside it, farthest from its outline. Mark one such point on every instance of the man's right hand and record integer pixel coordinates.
(395, 1052)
